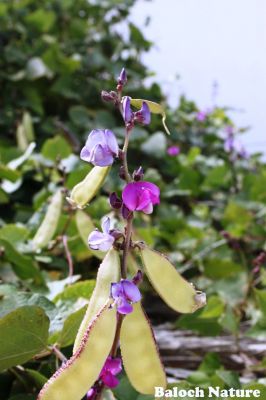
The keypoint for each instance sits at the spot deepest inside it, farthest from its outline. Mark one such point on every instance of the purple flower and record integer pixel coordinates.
(125, 293)
(173, 151)
(112, 367)
(143, 116)
(141, 196)
(101, 240)
(101, 147)
(122, 79)
(201, 116)
(128, 114)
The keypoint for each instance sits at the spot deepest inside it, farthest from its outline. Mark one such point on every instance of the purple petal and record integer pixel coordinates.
(85, 154)
(100, 241)
(173, 151)
(106, 223)
(101, 156)
(114, 365)
(116, 290)
(123, 307)
(144, 200)
(127, 112)
(143, 116)
(111, 142)
(130, 196)
(148, 209)
(110, 380)
(95, 137)
(131, 291)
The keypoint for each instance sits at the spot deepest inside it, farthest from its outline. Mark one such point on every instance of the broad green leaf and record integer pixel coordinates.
(76, 290)
(14, 233)
(36, 377)
(216, 268)
(23, 334)
(230, 378)
(24, 266)
(56, 148)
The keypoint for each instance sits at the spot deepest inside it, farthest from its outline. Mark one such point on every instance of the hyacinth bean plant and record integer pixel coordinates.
(115, 330)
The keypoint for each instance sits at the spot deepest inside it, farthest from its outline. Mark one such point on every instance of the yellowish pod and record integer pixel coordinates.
(85, 190)
(170, 285)
(85, 226)
(78, 374)
(108, 272)
(140, 355)
(49, 224)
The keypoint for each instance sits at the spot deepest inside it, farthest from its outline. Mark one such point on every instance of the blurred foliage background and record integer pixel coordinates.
(56, 57)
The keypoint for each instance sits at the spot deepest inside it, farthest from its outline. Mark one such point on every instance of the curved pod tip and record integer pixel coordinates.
(139, 351)
(179, 294)
(85, 190)
(78, 374)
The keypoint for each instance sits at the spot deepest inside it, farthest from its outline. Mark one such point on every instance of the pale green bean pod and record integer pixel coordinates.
(49, 224)
(85, 226)
(108, 272)
(85, 190)
(78, 374)
(139, 352)
(170, 285)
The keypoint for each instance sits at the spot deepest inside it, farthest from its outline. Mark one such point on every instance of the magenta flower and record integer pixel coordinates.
(125, 293)
(128, 114)
(101, 240)
(101, 148)
(141, 196)
(173, 151)
(112, 367)
(143, 116)
(91, 394)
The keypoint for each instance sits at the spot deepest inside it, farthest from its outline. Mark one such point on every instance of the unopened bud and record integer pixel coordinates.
(126, 213)
(138, 174)
(122, 79)
(109, 96)
(137, 279)
(122, 173)
(115, 201)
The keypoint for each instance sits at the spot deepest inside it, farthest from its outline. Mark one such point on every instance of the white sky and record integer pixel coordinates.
(204, 41)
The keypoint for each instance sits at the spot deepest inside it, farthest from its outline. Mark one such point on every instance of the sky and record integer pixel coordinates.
(203, 44)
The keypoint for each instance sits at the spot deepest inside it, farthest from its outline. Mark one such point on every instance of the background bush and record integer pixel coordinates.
(56, 57)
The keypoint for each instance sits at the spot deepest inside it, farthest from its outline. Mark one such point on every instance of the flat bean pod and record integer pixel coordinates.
(108, 272)
(77, 375)
(170, 285)
(85, 190)
(139, 352)
(49, 224)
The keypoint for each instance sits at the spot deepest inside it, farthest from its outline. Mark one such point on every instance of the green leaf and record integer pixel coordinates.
(230, 378)
(56, 148)
(36, 377)
(14, 233)
(216, 268)
(23, 266)
(74, 292)
(41, 20)
(261, 298)
(8, 173)
(71, 327)
(23, 334)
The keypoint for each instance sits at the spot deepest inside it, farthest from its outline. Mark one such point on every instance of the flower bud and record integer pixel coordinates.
(122, 79)
(138, 174)
(115, 201)
(137, 279)
(126, 213)
(128, 114)
(109, 96)
(122, 173)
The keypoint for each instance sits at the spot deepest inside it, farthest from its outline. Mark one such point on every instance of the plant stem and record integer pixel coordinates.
(126, 247)
(124, 152)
